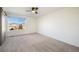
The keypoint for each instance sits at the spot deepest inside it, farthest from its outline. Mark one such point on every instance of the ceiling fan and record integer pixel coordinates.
(33, 10)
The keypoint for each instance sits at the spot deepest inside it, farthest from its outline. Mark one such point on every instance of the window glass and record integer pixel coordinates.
(15, 23)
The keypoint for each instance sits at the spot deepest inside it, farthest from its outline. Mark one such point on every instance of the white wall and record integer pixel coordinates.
(62, 25)
(30, 27)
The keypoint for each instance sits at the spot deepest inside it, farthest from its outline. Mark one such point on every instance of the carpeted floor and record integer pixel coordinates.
(35, 43)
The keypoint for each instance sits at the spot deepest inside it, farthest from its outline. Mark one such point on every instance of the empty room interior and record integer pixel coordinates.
(39, 29)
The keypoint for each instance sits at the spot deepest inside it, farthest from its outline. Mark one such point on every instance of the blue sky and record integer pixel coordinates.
(15, 20)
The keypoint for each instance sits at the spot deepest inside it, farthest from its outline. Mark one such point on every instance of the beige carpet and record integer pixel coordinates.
(35, 43)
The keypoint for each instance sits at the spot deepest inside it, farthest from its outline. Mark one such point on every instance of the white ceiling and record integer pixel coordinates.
(23, 11)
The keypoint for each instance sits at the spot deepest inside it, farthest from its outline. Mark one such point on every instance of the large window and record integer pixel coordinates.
(15, 23)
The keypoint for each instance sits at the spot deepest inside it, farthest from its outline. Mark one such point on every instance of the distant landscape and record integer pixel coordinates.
(15, 23)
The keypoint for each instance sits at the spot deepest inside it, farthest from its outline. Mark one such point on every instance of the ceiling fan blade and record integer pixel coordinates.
(34, 8)
(28, 10)
(36, 12)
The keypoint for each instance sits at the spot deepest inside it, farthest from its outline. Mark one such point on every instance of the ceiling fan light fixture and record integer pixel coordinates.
(33, 11)
(36, 12)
